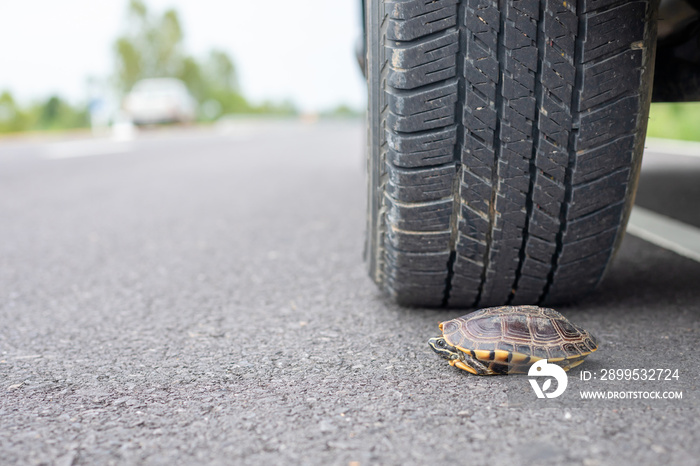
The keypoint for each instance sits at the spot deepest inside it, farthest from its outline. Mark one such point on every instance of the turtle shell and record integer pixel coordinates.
(518, 334)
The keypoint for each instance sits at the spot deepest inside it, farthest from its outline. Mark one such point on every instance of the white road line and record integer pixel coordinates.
(85, 148)
(666, 232)
(673, 147)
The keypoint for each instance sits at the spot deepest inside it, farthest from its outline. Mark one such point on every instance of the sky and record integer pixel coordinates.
(301, 50)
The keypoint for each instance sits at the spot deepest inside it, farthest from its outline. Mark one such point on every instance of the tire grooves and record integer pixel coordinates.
(576, 123)
(501, 51)
(454, 230)
(535, 147)
(457, 157)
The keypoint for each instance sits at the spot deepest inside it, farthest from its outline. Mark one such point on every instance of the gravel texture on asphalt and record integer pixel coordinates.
(202, 300)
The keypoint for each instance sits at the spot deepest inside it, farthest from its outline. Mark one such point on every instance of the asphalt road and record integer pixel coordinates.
(199, 298)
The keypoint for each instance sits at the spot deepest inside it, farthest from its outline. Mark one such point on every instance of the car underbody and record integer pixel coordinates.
(677, 73)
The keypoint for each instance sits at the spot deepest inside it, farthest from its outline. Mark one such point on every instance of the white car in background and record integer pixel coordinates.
(160, 100)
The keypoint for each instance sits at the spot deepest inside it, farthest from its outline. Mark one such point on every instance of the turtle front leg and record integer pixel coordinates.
(472, 365)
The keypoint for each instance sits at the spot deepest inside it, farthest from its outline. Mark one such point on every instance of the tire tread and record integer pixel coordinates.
(509, 134)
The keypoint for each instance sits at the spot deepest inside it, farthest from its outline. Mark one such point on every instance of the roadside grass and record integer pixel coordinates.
(675, 121)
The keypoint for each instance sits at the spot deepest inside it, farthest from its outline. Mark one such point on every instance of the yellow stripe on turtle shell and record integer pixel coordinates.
(502, 356)
(482, 355)
(555, 359)
(519, 358)
(578, 355)
(573, 364)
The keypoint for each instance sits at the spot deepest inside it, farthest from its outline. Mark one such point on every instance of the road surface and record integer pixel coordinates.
(199, 297)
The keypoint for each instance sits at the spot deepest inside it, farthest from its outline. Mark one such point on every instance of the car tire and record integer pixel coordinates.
(505, 142)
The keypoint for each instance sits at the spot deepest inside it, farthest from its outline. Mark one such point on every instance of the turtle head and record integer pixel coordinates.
(444, 349)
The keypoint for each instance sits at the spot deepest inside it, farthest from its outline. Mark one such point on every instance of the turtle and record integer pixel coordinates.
(509, 339)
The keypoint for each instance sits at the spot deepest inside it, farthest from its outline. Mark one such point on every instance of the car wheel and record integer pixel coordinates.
(505, 141)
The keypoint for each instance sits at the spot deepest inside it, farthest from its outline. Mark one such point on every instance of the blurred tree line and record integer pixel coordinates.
(675, 121)
(52, 114)
(151, 46)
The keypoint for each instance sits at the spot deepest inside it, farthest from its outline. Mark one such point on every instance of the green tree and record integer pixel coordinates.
(12, 119)
(151, 46)
(218, 86)
(52, 114)
(129, 67)
(55, 114)
(221, 72)
(168, 45)
(191, 75)
(342, 111)
(675, 121)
